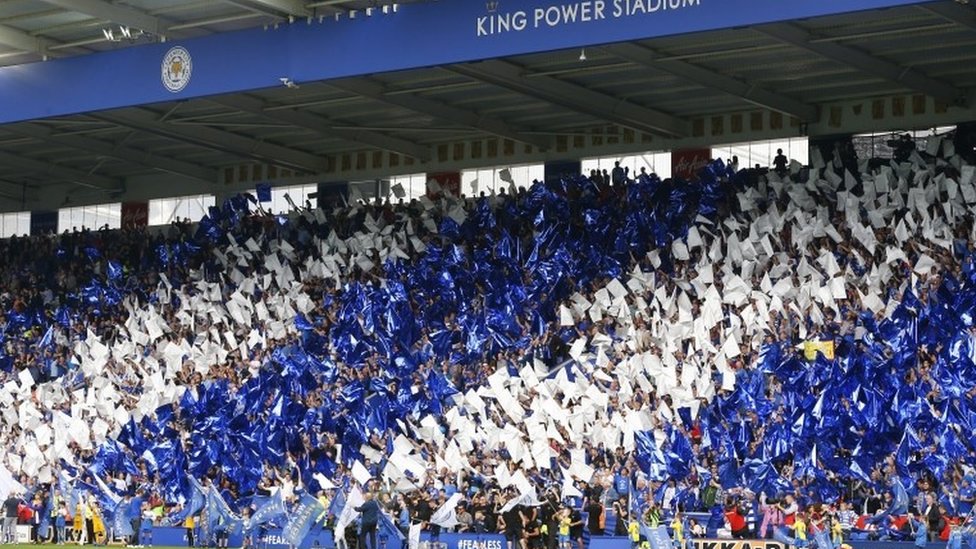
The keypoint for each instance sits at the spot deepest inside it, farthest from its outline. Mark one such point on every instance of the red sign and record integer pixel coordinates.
(450, 183)
(686, 163)
(135, 215)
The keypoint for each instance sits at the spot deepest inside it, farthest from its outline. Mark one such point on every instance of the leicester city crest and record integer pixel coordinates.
(177, 68)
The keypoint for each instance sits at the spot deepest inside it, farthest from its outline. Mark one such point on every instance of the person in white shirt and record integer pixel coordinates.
(670, 491)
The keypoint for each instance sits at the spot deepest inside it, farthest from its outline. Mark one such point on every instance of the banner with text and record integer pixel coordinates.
(469, 541)
(737, 544)
(441, 183)
(135, 215)
(466, 31)
(686, 163)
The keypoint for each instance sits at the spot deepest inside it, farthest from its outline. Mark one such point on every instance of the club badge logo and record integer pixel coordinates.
(177, 68)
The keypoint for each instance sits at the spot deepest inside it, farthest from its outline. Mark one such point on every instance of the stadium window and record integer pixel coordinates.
(474, 182)
(658, 163)
(298, 194)
(763, 152)
(92, 217)
(877, 145)
(14, 224)
(414, 186)
(167, 210)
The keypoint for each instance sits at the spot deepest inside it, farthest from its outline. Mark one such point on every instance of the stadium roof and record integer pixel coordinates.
(31, 30)
(662, 90)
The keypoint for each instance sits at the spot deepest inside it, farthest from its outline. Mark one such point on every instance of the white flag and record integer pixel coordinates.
(348, 513)
(446, 515)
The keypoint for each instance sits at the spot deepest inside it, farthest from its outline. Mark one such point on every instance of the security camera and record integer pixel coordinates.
(288, 82)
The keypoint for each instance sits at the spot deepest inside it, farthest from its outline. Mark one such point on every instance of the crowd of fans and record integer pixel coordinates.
(306, 344)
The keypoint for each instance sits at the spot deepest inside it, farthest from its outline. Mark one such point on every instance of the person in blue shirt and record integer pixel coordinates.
(60, 523)
(967, 495)
(146, 526)
(621, 482)
(716, 520)
(403, 521)
(135, 517)
(955, 537)
(921, 528)
(369, 518)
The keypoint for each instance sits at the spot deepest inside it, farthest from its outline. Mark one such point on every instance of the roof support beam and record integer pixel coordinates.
(23, 41)
(575, 97)
(218, 140)
(953, 12)
(437, 109)
(277, 8)
(122, 15)
(910, 78)
(55, 171)
(325, 126)
(706, 77)
(18, 191)
(121, 152)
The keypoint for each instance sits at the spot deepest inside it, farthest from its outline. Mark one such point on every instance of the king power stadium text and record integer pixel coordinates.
(576, 12)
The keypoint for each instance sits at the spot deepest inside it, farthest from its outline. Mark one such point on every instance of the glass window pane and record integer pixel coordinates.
(167, 210)
(14, 224)
(280, 198)
(652, 162)
(414, 186)
(488, 180)
(764, 152)
(90, 217)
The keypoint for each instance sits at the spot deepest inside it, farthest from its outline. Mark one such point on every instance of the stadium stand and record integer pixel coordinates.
(793, 346)
(716, 356)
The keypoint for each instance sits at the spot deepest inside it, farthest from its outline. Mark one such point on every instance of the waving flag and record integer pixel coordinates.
(446, 515)
(192, 507)
(219, 513)
(348, 513)
(302, 520)
(273, 508)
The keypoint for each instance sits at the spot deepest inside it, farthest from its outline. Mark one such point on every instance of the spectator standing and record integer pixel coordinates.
(369, 518)
(10, 518)
(780, 163)
(618, 175)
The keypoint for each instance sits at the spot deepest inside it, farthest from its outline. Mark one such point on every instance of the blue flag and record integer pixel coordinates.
(263, 192)
(899, 505)
(69, 492)
(193, 506)
(302, 519)
(219, 515)
(658, 537)
(273, 508)
(114, 270)
(108, 499)
(386, 526)
(125, 511)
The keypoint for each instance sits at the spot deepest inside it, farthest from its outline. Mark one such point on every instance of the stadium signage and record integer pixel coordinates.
(439, 33)
(577, 12)
(737, 544)
(470, 541)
